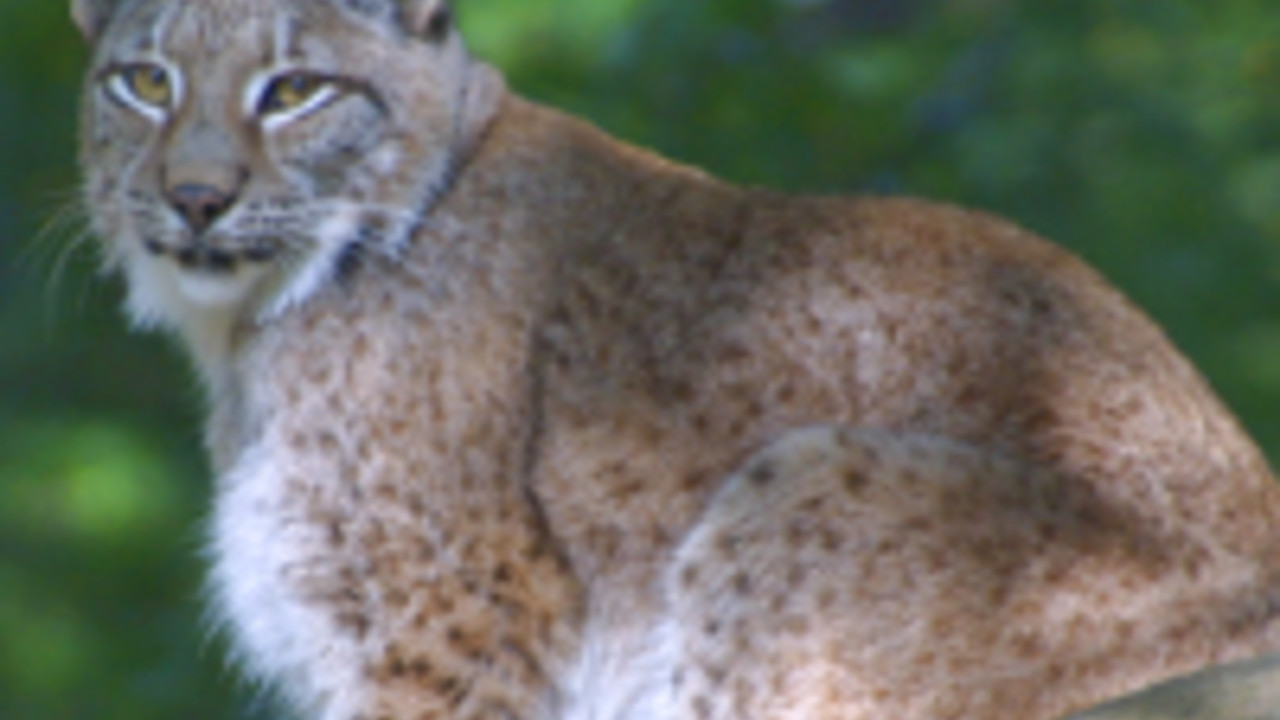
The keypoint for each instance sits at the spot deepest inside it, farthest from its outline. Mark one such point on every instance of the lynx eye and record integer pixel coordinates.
(295, 93)
(144, 86)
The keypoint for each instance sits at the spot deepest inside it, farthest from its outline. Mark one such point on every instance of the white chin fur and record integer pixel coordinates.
(214, 291)
(202, 305)
(202, 309)
(161, 293)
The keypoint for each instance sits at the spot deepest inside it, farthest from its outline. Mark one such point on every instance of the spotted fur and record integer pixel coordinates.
(512, 420)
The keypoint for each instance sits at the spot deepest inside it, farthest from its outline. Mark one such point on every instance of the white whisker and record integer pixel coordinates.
(53, 249)
(69, 213)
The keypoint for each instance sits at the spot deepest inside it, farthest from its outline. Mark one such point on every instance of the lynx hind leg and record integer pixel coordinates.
(851, 574)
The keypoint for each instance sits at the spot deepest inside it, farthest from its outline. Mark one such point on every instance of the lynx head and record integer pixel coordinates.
(240, 153)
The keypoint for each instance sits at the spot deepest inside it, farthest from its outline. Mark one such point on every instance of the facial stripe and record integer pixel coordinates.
(283, 39)
(161, 27)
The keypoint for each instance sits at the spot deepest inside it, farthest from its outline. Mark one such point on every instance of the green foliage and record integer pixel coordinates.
(1143, 135)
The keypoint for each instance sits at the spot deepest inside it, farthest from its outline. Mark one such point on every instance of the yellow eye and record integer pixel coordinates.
(293, 91)
(148, 83)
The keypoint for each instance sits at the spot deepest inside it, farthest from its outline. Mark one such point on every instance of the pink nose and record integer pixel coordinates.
(199, 205)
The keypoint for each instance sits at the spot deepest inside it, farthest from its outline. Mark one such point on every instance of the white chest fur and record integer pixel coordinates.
(263, 551)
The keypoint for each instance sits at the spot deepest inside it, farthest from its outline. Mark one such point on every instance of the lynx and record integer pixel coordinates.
(512, 420)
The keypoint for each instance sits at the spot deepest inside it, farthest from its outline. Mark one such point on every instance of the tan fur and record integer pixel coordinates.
(608, 438)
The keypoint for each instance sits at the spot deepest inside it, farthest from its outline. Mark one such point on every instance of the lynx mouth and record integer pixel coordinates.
(205, 257)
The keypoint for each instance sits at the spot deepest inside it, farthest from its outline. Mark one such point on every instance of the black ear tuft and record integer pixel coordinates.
(439, 25)
(91, 16)
(431, 20)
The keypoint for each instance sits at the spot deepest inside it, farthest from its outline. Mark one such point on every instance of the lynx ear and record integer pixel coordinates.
(91, 16)
(431, 20)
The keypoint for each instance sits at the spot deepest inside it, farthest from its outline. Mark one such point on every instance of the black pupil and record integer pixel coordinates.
(288, 91)
(149, 77)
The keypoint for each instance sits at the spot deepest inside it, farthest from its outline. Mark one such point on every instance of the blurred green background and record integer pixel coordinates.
(1143, 134)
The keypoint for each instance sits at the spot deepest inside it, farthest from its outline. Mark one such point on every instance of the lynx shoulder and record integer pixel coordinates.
(513, 420)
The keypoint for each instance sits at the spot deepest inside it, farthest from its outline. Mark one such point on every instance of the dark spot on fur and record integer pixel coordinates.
(373, 228)
(854, 479)
(701, 707)
(727, 545)
(348, 262)
(502, 574)
(396, 667)
(421, 668)
(688, 576)
(337, 537)
(762, 474)
(453, 691)
(355, 622)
